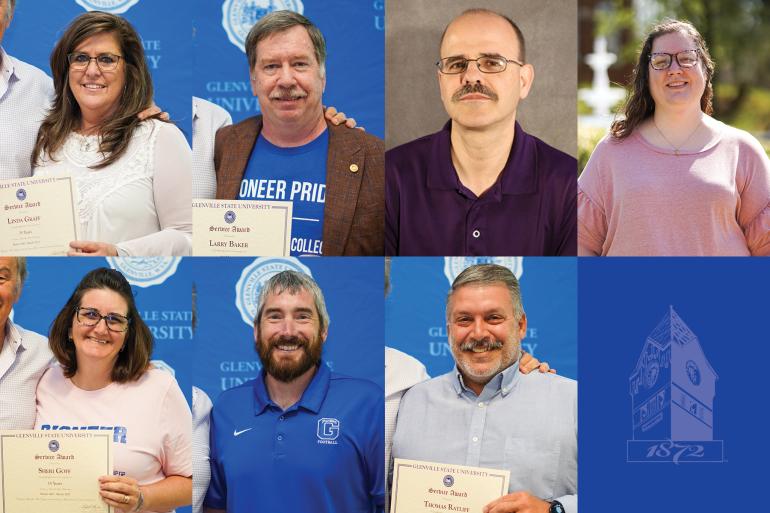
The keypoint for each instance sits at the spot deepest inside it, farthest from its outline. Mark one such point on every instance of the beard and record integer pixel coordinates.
(287, 371)
(510, 353)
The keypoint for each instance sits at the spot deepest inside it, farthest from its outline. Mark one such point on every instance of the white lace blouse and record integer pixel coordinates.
(142, 202)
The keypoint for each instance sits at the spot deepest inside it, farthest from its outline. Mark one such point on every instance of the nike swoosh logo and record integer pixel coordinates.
(236, 433)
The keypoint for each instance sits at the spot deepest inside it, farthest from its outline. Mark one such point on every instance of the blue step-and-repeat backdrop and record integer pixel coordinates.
(355, 44)
(164, 26)
(226, 292)
(415, 308)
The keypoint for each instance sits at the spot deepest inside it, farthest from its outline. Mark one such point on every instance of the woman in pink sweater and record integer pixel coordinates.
(669, 179)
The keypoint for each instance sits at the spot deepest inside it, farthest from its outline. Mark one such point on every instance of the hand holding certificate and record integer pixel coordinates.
(53, 472)
(37, 216)
(425, 487)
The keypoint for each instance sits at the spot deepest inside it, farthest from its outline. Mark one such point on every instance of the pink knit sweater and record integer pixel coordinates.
(638, 199)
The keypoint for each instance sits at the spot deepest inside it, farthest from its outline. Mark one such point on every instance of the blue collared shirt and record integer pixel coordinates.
(529, 211)
(23, 359)
(324, 454)
(25, 95)
(526, 424)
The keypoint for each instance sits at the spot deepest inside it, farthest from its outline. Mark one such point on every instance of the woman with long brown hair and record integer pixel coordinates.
(669, 179)
(104, 381)
(133, 176)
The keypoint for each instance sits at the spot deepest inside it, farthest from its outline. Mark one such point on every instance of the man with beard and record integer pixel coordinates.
(333, 175)
(299, 437)
(481, 186)
(485, 412)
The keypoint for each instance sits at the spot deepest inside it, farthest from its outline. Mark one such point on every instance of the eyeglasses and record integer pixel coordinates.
(91, 317)
(105, 61)
(486, 64)
(686, 59)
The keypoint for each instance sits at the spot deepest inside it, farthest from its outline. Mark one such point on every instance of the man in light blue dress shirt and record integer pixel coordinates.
(486, 413)
(24, 355)
(25, 94)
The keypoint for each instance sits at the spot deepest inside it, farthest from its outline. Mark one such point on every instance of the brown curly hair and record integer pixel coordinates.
(640, 105)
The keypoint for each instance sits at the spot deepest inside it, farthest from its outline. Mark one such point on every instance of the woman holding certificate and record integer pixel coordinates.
(105, 381)
(133, 176)
(670, 180)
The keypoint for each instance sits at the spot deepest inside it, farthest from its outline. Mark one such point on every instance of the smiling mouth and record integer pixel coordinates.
(676, 84)
(286, 347)
(99, 341)
(93, 87)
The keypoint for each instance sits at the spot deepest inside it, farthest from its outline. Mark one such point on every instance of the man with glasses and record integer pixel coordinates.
(24, 355)
(481, 186)
(334, 176)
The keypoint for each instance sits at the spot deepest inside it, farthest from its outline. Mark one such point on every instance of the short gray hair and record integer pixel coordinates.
(21, 270)
(294, 282)
(489, 274)
(278, 21)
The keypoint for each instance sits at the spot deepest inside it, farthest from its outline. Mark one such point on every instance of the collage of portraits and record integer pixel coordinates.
(346, 254)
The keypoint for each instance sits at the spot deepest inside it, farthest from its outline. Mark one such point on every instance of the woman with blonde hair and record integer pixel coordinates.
(669, 179)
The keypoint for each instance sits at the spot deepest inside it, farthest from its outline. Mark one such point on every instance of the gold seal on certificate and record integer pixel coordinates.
(53, 471)
(241, 227)
(38, 216)
(426, 487)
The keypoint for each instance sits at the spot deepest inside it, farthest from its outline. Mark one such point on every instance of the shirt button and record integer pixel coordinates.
(476, 234)
(481, 405)
(475, 439)
(280, 437)
(281, 418)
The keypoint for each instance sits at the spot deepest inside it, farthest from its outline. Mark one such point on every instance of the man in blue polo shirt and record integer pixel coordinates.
(299, 437)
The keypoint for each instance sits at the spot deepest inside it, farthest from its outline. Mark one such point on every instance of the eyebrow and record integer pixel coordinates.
(108, 313)
(296, 310)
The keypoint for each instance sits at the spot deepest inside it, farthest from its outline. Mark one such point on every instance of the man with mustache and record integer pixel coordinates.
(486, 413)
(333, 175)
(299, 437)
(481, 186)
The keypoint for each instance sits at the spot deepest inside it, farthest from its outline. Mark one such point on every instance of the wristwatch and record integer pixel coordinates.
(556, 507)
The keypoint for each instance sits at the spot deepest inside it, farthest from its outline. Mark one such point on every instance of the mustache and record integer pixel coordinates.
(288, 340)
(288, 93)
(484, 344)
(476, 88)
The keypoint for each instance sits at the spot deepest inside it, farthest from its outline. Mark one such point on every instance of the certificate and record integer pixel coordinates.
(241, 228)
(425, 487)
(53, 471)
(38, 215)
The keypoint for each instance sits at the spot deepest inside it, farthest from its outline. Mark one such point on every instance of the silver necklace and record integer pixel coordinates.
(676, 150)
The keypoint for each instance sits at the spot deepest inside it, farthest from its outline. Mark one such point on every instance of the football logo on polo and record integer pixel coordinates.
(145, 272)
(672, 392)
(238, 16)
(253, 278)
(111, 6)
(328, 431)
(453, 266)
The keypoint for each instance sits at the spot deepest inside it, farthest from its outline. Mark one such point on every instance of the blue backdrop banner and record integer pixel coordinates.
(415, 308)
(355, 44)
(669, 384)
(164, 26)
(226, 291)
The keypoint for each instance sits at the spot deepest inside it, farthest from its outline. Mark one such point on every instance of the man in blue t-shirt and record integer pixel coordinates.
(333, 175)
(299, 437)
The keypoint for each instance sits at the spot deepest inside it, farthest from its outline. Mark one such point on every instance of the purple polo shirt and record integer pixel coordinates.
(529, 211)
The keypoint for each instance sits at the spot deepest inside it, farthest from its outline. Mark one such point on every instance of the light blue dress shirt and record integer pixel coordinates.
(25, 95)
(526, 424)
(23, 359)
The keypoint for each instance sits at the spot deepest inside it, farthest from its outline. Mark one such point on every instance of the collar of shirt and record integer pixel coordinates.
(312, 398)
(7, 71)
(12, 337)
(503, 382)
(519, 176)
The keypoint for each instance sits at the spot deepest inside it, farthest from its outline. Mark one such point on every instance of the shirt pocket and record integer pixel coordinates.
(534, 465)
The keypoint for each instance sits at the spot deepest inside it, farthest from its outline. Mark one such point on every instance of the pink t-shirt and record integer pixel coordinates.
(149, 418)
(637, 199)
